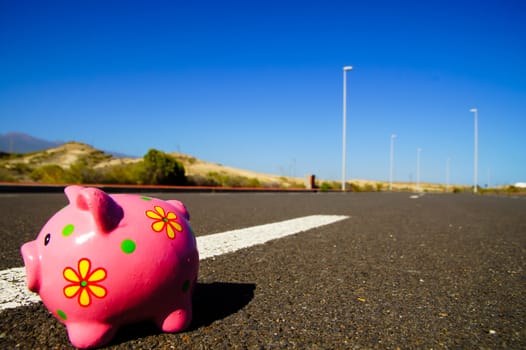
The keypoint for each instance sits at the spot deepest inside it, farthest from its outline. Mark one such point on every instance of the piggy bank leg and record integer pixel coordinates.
(88, 335)
(176, 321)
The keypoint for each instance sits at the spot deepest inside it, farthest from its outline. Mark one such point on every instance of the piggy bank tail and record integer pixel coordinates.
(181, 208)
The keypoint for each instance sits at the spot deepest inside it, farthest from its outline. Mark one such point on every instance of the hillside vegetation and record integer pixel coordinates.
(79, 163)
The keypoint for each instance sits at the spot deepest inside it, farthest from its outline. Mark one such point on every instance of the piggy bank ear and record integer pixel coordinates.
(105, 211)
(181, 208)
(72, 193)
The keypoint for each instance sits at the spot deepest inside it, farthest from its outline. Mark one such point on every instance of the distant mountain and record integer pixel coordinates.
(17, 142)
(22, 143)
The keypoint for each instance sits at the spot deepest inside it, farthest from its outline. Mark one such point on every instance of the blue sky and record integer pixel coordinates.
(258, 84)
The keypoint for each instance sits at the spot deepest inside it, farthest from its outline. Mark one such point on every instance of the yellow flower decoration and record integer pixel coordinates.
(163, 220)
(84, 283)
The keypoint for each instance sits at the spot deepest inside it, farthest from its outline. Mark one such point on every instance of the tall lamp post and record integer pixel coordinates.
(344, 139)
(391, 162)
(476, 156)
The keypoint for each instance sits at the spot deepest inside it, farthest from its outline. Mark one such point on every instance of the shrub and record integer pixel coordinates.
(200, 180)
(160, 168)
(254, 182)
(325, 187)
(7, 156)
(355, 187)
(214, 178)
(330, 185)
(81, 172)
(196, 180)
(97, 157)
(5, 175)
(51, 173)
(21, 168)
(368, 188)
(122, 174)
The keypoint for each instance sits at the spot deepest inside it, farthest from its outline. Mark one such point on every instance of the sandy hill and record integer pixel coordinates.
(71, 152)
(195, 166)
(63, 155)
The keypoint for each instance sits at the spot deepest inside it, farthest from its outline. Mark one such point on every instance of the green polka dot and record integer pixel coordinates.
(62, 315)
(146, 198)
(186, 286)
(128, 246)
(68, 230)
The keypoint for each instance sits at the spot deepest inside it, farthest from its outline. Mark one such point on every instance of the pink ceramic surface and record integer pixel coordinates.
(104, 261)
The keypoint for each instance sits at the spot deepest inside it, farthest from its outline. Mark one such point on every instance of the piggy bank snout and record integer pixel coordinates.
(32, 264)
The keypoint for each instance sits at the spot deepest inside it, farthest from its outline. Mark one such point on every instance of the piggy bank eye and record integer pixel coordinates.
(47, 239)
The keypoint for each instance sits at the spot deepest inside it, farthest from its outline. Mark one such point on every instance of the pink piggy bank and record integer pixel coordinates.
(105, 261)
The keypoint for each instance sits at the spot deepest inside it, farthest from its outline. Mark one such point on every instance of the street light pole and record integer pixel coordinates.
(391, 162)
(344, 138)
(476, 156)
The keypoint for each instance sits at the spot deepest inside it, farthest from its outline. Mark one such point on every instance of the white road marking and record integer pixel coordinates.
(14, 292)
(230, 241)
(13, 289)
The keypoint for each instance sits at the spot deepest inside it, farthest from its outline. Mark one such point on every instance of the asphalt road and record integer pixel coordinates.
(440, 271)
